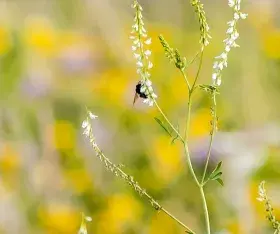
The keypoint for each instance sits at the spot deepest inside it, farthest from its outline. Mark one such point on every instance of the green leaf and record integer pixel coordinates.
(220, 181)
(163, 127)
(216, 176)
(217, 168)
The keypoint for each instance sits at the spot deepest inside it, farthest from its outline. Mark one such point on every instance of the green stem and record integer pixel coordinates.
(167, 120)
(186, 79)
(205, 209)
(214, 123)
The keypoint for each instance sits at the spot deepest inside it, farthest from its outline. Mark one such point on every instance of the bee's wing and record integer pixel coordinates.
(135, 98)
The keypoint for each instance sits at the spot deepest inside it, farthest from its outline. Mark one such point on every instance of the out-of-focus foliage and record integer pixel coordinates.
(59, 56)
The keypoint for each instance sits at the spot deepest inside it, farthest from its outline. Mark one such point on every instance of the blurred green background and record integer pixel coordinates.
(58, 56)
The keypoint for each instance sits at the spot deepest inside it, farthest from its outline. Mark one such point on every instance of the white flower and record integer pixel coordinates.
(231, 23)
(219, 81)
(92, 116)
(243, 15)
(139, 64)
(230, 30)
(236, 16)
(148, 41)
(150, 65)
(215, 65)
(222, 56)
(231, 3)
(214, 76)
(147, 52)
(85, 124)
(148, 83)
(137, 56)
(227, 48)
(133, 48)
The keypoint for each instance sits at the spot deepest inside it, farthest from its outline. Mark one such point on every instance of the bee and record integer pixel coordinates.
(138, 92)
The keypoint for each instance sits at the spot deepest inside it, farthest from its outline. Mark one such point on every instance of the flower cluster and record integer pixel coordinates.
(140, 40)
(204, 27)
(110, 166)
(86, 125)
(268, 208)
(232, 35)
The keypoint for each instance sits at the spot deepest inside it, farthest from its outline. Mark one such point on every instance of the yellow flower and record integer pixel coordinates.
(5, 40)
(122, 210)
(161, 223)
(200, 123)
(9, 160)
(271, 43)
(79, 180)
(40, 35)
(166, 158)
(59, 218)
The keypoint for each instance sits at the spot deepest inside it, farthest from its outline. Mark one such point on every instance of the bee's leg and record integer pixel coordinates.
(135, 98)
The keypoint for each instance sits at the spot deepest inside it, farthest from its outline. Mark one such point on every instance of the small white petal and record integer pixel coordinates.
(230, 30)
(87, 218)
(137, 56)
(133, 48)
(150, 65)
(215, 65)
(148, 41)
(148, 52)
(154, 95)
(243, 15)
(92, 116)
(139, 64)
(231, 3)
(85, 124)
(236, 16)
(227, 48)
(219, 81)
(148, 83)
(221, 66)
(231, 23)
(214, 76)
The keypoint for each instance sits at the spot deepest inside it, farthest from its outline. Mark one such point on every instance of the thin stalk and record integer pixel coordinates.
(205, 209)
(177, 220)
(198, 71)
(129, 179)
(186, 79)
(167, 120)
(211, 138)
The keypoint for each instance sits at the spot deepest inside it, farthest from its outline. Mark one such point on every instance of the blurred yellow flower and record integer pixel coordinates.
(59, 218)
(112, 85)
(162, 224)
(79, 180)
(64, 135)
(122, 210)
(9, 160)
(200, 123)
(271, 43)
(166, 158)
(5, 40)
(40, 35)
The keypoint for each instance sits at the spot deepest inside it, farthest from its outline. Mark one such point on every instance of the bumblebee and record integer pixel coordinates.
(138, 92)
